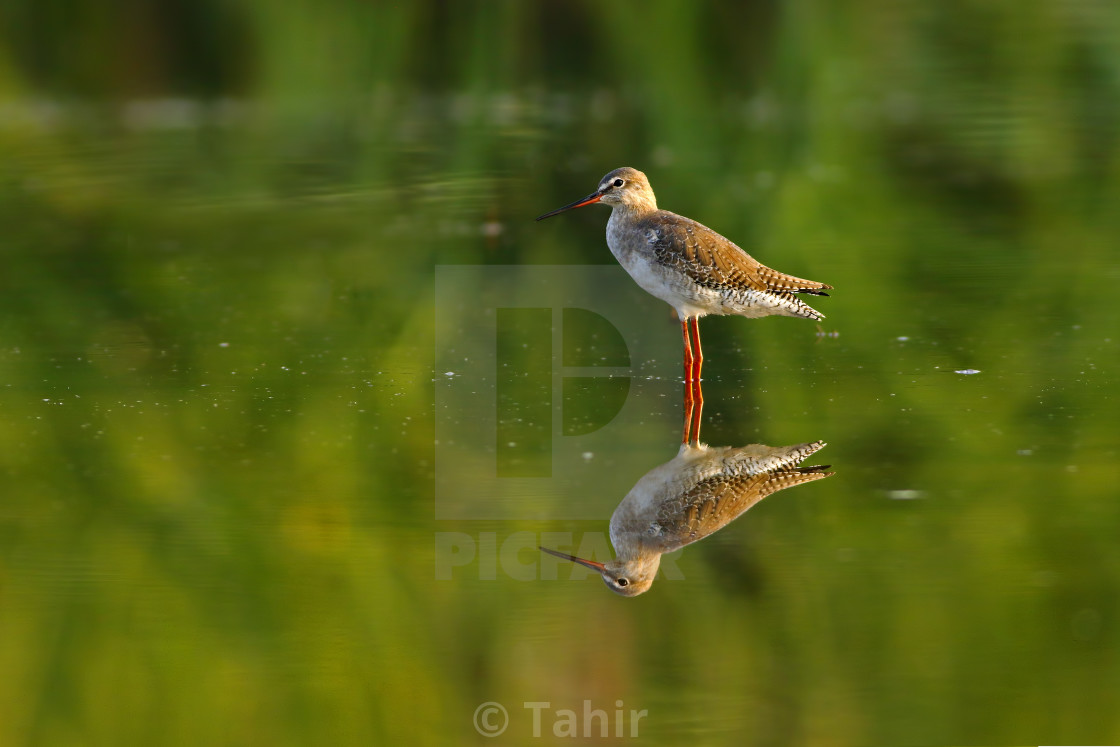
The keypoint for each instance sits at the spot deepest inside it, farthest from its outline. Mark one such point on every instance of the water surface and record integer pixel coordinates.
(292, 385)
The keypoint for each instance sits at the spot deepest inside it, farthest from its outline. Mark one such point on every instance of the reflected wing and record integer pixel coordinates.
(717, 501)
(713, 261)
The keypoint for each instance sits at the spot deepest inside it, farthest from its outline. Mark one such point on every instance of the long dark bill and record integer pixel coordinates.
(589, 563)
(591, 199)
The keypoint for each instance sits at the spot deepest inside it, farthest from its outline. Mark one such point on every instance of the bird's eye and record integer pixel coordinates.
(622, 581)
(618, 183)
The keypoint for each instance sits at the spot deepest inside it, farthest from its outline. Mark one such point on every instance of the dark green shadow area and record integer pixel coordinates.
(592, 402)
(524, 392)
(591, 340)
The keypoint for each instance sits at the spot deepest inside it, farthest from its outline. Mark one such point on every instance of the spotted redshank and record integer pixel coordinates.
(688, 265)
(701, 490)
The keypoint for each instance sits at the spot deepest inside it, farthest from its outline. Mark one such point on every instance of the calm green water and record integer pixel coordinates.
(292, 385)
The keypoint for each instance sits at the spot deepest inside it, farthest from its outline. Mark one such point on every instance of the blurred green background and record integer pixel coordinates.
(220, 227)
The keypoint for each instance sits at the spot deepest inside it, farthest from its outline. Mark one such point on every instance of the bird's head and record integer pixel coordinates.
(626, 577)
(624, 187)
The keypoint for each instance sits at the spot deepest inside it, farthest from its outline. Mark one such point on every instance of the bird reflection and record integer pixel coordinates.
(699, 491)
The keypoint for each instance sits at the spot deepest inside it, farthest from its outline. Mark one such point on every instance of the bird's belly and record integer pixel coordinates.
(675, 289)
(690, 299)
(636, 519)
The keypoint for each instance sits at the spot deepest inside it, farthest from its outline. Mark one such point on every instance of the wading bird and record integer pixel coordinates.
(688, 265)
(702, 489)
(699, 491)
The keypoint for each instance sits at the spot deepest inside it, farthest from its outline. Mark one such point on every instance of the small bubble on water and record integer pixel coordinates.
(968, 371)
(587, 456)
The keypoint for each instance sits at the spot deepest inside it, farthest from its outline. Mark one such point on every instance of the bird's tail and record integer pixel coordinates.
(788, 478)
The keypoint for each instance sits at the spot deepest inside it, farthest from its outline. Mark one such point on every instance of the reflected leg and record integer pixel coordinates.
(689, 408)
(695, 394)
(698, 359)
(688, 362)
(697, 410)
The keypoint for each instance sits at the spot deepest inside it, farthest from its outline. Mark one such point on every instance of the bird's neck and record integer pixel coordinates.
(638, 208)
(641, 565)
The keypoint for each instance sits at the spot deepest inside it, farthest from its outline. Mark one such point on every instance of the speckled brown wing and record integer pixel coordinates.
(713, 261)
(717, 501)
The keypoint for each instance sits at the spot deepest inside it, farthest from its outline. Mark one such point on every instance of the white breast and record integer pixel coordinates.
(634, 252)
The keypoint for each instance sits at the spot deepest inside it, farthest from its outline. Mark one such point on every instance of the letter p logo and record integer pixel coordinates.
(552, 389)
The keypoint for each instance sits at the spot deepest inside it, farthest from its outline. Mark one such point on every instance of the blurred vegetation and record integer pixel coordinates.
(221, 221)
